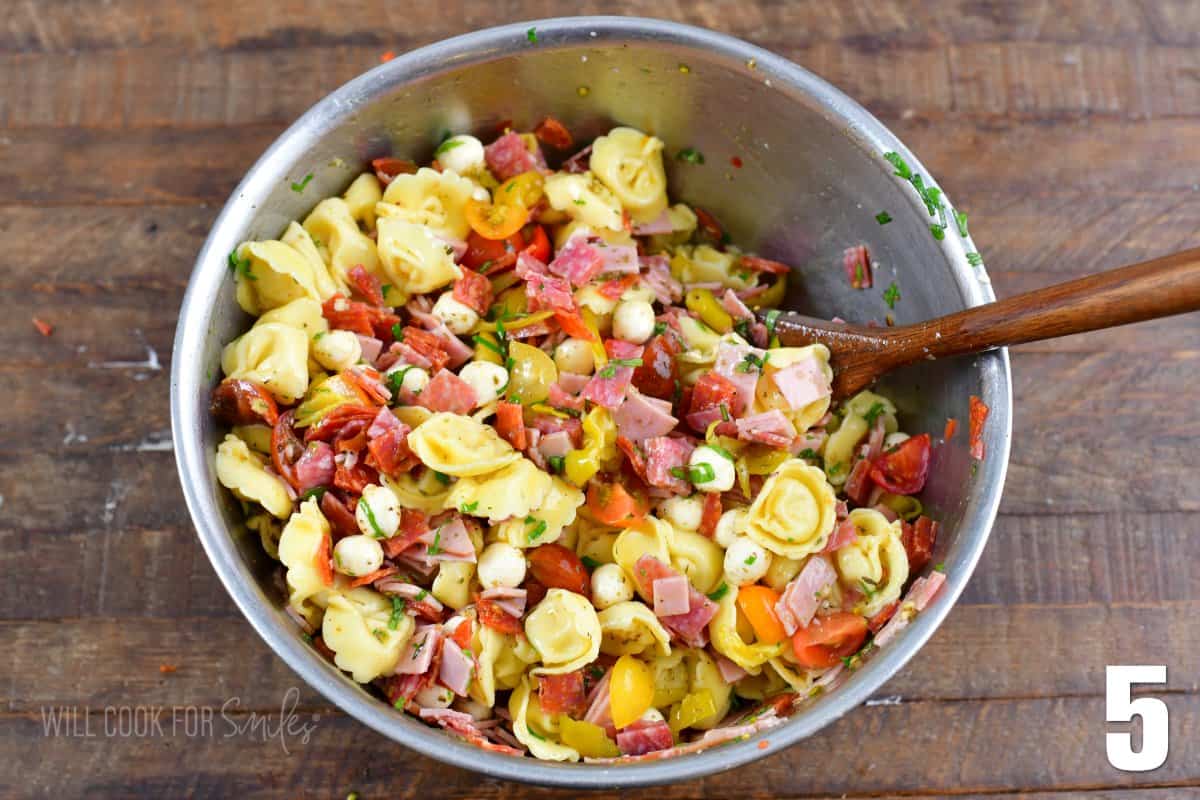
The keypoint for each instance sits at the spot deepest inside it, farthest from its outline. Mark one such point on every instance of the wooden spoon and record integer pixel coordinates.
(861, 354)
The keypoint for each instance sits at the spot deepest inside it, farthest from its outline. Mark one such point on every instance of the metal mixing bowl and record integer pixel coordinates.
(811, 182)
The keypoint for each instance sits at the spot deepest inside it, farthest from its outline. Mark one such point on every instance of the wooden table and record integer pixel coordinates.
(1069, 129)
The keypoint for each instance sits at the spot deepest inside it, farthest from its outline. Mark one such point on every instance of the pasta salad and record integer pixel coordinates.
(535, 471)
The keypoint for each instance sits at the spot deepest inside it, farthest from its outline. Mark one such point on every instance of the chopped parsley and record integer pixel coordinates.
(808, 452)
(742, 328)
(436, 546)
(580, 201)
(447, 146)
(589, 562)
(931, 196)
(883, 218)
(701, 473)
(974, 259)
(869, 587)
(557, 463)
(441, 476)
(750, 559)
(611, 368)
(387, 287)
(539, 527)
(315, 493)
(531, 35)
(468, 508)
(960, 219)
(379, 633)
(397, 612)
(299, 187)
(891, 294)
(660, 328)
(873, 412)
(751, 362)
(690, 155)
(719, 592)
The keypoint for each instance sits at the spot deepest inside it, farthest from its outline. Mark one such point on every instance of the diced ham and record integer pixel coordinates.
(845, 533)
(645, 737)
(802, 383)
(641, 417)
(511, 601)
(578, 261)
(671, 596)
(456, 668)
(617, 258)
(656, 273)
(419, 601)
(664, 454)
(448, 392)
(417, 656)
(449, 541)
(857, 263)
(371, 347)
(734, 306)
(508, 157)
(315, 467)
(555, 445)
(660, 224)
(599, 712)
(801, 598)
(572, 382)
(690, 626)
(730, 672)
(558, 694)
(770, 427)
(474, 291)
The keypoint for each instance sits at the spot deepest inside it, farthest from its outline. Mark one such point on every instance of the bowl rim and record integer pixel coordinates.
(187, 382)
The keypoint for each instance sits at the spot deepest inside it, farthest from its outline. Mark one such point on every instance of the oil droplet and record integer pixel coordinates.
(583, 91)
(685, 69)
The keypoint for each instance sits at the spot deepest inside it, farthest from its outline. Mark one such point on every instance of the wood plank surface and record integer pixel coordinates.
(1067, 128)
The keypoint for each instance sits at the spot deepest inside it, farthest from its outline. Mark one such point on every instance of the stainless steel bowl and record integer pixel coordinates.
(811, 181)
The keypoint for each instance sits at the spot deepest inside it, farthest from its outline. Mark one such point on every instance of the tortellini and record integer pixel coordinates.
(874, 564)
(839, 449)
(706, 264)
(430, 198)
(245, 474)
(303, 539)
(630, 163)
(452, 585)
(794, 512)
(413, 258)
(705, 675)
(631, 628)
(272, 354)
(697, 557)
(460, 446)
(651, 536)
(489, 644)
(302, 242)
(584, 198)
(271, 274)
(341, 244)
(594, 541)
(540, 745)
(425, 492)
(728, 642)
(670, 678)
(556, 509)
(358, 628)
(512, 492)
(565, 631)
(767, 395)
(799, 681)
(361, 197)
(303, 314)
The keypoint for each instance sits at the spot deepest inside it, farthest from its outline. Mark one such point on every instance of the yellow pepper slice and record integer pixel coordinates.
(632, 688)
(772, 297)
(599, 447)
(695, 707)
(703, 304)
(589, 740)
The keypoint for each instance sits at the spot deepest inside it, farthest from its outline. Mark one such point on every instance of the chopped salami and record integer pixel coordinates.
(548, 292)
(690, 626)
(663, 454)
(578, 261)
(658, 376)
(474, 291)
(427, 347)
(447, 392)
(645, 737)
(315, 468)
(979, 415)
(919, 539)
(714, 397)
(367, 285)
(510, 424)
(508, 157)
(561, 694)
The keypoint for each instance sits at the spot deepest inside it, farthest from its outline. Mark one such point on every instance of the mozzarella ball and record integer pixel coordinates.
(746, 561)
(893, 439)
(336, 350)
(415, 379)
(610, 585)
(378, 512)
(639, 291)
(728, 526)
(633, 321)
(501, 564)
(459, 318)
(477, 710)
(357, 555)
(722, 469)
(575, 355)
(486, 378)
(462, 153)
(434, 697)
(683, 512)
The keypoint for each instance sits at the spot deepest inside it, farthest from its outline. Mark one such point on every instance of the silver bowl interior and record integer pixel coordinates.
(811, 180)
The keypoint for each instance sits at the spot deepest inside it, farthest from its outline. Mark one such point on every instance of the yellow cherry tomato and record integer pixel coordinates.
(524, 190)
(530, 375)
(632, 690)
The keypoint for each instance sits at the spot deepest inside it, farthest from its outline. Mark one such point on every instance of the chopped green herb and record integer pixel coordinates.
(557, 463)
(241, 266)
(960, 218)
(447, 146)
(589, 562)
(869, 587)
(808, 452)
(532, 732)
(897, 161)
(580, 201)
(883, 218)
(690, 155)
(719, 592)
(387, 287)
(750, 363)
(873, 412)
(468, 508)
(399, 704)
(974, 259)
(660, 328)
(421, 595)
(611, 368)
(315, 493)
(891, 294)
(441, 476)
(397, 612)
(701, 473)
(940, 566)
(938, 231)
(379, 534)
(835, 469)
(299, 187)
(379, 633)
(484, 341)
(395, 380)
(721, 451)
(484, 266)
(724, 412)
(538, 529)
(531, 35)
(742, 328)
(397, 332)
(750, 559)
(436, 546)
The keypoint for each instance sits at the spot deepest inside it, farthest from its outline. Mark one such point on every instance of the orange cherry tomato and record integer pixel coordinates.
(557, 567)
(757, 603)
(827, 640)
(495, 221)
(612, 504)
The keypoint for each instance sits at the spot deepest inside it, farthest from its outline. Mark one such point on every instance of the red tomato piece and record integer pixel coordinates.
(241, 402)
(552, 132)
(826, 640)
(951, 429)
(463, 633)
(483, 253)
(496, 618)
(919, 539)
(979, 415)
(557, 567)
(510, 424)
(904, 468)
(388, 168)
(572, 325)
(537, 243)
(558, 694)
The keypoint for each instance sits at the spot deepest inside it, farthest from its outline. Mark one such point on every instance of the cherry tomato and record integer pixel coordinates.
(631, 689)
(659, 373)
(524, 190)
(495, 220)
(612, 504)
(242, 402)
(827, 640)
(757, 603)
(557, 567)
(903, 469)
(286, 448)
(482, 251)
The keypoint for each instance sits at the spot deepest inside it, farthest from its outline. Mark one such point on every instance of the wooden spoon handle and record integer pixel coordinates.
(1159, 288)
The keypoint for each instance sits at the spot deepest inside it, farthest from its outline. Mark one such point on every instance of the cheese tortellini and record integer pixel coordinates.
(706, 264)
(630, 163)
(413, 258)
(584, 198)
(304, 538)
(874, 564)
(430, 198)
(460, 446)
(511, 492)
(245, 474)
(728, 642)
(303, 314)
(540, 744)
(839, 450)
(630, 628)
(339, 241)
(698, 557)
(794, 512)
(272, 354)
(271, 274)
(361, 197)
(651, 536)
(565, 631)
(358, 629)
(556, 509)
